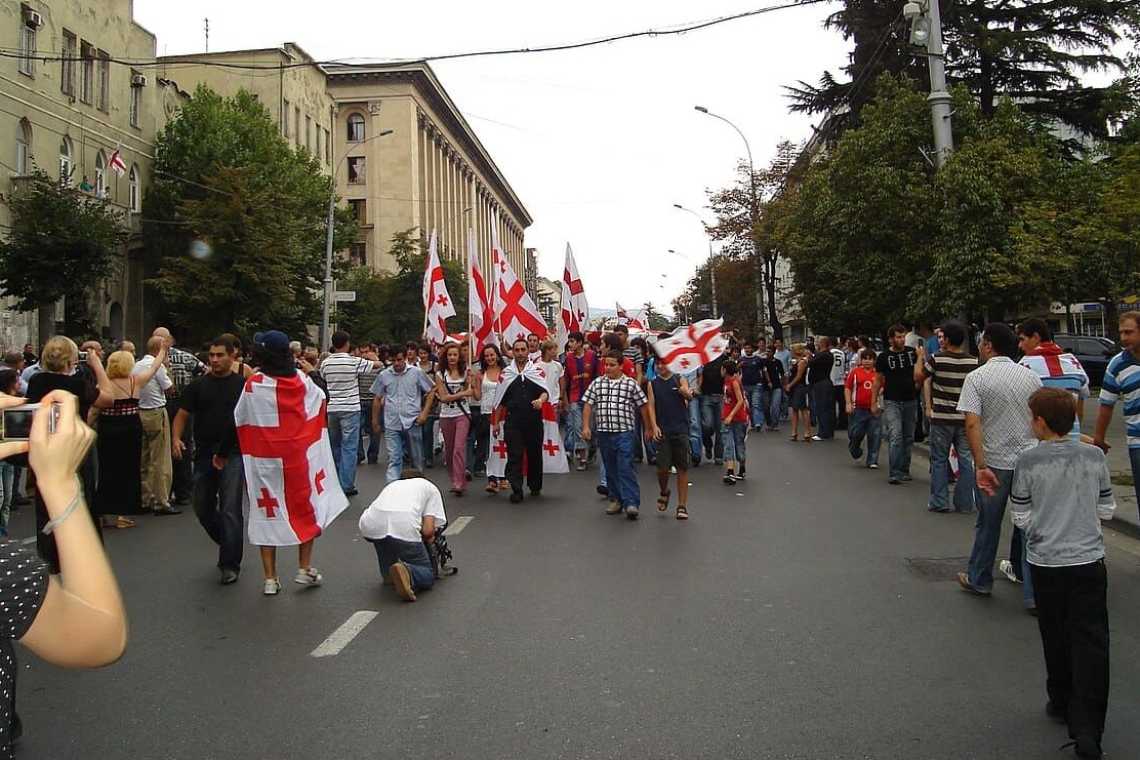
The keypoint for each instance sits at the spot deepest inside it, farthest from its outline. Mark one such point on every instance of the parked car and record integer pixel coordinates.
(1092, 352)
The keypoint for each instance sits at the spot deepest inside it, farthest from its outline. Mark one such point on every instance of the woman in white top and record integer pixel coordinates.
(553, 369)
(454, 388)
(492, 364)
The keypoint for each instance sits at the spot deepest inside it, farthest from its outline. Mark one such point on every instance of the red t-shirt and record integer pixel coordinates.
(860, 381)
(732, 395)
(586, 364)
(628, 369)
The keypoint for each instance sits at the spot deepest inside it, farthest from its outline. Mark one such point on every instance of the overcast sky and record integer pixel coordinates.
(599, 143)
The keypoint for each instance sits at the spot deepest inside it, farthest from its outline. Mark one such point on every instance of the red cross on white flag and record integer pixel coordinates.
(691, 346)
(515, 312)
(437, 302)
(574, 307)
(480, 310)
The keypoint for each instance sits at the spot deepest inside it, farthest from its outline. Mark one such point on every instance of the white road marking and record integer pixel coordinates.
(26, 541)
(460, 523)
(341, 637)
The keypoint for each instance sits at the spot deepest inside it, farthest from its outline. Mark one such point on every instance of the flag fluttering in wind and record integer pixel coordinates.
(437, 303)
(515, 312)
(691, 346)
(575, 310)
(480, 309)
(624, 319)
(116, 162)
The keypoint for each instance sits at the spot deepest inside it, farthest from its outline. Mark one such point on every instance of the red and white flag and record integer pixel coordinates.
(553, 455)
(515, 312)
(691, 346)
(480, 310)
(575, 310)
(437, 303)
(116, 162)
(624, 319)
(290, 475)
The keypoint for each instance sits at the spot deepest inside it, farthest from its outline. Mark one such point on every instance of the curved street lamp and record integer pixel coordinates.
(712, 268)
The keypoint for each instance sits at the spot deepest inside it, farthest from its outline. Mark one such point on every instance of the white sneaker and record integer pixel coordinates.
(1007, 569)
(308, 576)
(272, 587)
(873, 466)
(672, 470)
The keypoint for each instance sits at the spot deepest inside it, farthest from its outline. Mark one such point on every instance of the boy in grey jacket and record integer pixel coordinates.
(1061, 491)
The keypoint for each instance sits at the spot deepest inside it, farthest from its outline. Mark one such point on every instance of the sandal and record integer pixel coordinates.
(663, 501)
(794, 438)
(124, 522)
(682, 513)
(492, 488)
(807, 439)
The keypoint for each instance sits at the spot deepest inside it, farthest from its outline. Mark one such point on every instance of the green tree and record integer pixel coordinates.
(62, 244)
(237, 221)
(654, 320)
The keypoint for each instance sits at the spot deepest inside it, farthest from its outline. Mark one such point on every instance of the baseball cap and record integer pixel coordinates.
(273, 341)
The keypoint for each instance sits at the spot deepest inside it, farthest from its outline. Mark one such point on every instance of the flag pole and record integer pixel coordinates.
(427, 265)
(470, 330)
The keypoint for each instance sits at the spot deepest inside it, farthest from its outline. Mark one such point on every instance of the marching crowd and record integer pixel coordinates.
(1001, 411)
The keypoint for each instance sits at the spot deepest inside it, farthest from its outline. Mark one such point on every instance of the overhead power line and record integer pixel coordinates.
(8, 52)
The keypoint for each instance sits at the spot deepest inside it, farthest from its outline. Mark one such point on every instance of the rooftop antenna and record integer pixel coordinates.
(207, 30)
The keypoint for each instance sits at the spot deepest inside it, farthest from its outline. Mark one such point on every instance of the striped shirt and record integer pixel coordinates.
(1122, 380)
(948, 370)
(1059, 370)
(364, 383)
(998, 392)
(340, 372)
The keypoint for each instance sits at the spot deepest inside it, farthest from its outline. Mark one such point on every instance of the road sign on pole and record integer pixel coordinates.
(344, 296)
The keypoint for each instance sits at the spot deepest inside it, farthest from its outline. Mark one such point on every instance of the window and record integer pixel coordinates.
(356, 128)
(24, 148)
(317, 137)
(67, 64)
(65, 165)
(358, 254)
(356, 170)
(133, 196)
(104, 80)
(297, 124)
(285, 119)
(309, 134)
(87, 77)
(100, 175)
(328, 147)
(27, 59)
(136, 98)
(359, 208)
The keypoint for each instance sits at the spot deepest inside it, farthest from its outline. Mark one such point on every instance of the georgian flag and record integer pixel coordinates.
(553, 456)
(624, 319)
(437, 302)
(290, 478)
(691, 346)
(480, 310)
(116, 162)
(575, 310)
(516, 316)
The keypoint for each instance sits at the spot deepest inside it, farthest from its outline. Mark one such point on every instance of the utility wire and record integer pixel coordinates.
(7, 52)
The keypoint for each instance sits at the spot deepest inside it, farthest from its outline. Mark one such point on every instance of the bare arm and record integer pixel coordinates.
(876, 388)
(106, 398)
(176, 445)
(974, 436)
(377, 409)
(427, 529)
(147, 375)
(1103, 417)
(587, 413)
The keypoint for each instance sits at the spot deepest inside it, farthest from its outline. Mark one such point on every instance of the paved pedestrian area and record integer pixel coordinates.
(809, 612)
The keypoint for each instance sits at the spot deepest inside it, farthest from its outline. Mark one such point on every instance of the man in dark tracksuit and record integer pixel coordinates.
(522, 401)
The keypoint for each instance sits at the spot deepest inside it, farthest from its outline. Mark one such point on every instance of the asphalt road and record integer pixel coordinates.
(793, 616)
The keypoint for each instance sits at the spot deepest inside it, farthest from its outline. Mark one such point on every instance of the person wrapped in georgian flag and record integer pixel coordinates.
(524, 426)
(290, 476)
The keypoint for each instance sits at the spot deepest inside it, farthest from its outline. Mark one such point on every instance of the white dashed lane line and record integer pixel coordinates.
(455, 528)
(341, 637)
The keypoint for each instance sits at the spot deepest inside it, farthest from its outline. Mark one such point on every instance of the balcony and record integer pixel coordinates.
(133, 219)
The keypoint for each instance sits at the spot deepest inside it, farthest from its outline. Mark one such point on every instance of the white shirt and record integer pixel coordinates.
(553, 370)
(998, 392)
(152, 395)
(838, 366)
(399, 511)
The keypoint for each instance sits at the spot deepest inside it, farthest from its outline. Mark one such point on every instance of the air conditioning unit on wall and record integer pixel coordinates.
(33, 18)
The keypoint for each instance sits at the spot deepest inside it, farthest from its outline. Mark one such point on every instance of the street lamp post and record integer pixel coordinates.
(712, 261)
(753, 211)
(328, 282)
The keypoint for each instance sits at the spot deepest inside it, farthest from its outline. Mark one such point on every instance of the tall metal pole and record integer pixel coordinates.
(712, 261)
(939, 97)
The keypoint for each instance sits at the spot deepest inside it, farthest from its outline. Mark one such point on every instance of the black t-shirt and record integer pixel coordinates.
(775, 372)
(712, 382)
(43, 383)
(819, 368)
(898, 369)
(211, 400)
(752, 369)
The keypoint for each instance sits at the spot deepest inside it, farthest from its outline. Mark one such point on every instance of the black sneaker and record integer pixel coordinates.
(516, 497)
(228, 576)
(1085, 747)
(857, 454)
(729, 478)
(166, 510)
(602, 491)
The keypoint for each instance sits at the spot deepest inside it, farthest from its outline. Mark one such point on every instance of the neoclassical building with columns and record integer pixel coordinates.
(405, 157)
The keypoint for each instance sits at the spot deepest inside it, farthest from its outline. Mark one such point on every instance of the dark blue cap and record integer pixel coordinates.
(273, 341)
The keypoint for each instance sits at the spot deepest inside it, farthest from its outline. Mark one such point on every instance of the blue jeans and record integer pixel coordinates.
(573, 441)
(373, 450)
(412, 554)
(864, 424)
(987, 533)
(823, 402)
(1134, 458)
(735, 434)
(760, 404)
(394, 441)
(779, 406)
(217, 498)
(427, 440)
(695, 428)
(344, 435)
(617, 454)
(898, 419)
(711, 407)
(7, 492)
(942, 437)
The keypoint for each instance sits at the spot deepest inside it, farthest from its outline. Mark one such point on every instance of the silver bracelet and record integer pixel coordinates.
(56, 522)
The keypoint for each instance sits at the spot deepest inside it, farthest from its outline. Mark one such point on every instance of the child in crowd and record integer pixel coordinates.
(1061, 491)
(734, 415)
(859, 390)
(669, 397)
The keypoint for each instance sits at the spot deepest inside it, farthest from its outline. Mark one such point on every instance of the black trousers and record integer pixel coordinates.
(524, 437)
(1072, 615)
(840, 408)
(182, 484)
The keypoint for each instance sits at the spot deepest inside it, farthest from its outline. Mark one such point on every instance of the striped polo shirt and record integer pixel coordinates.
(1058, 369)
(340, 371)
(1122, 381)
(948, 370)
